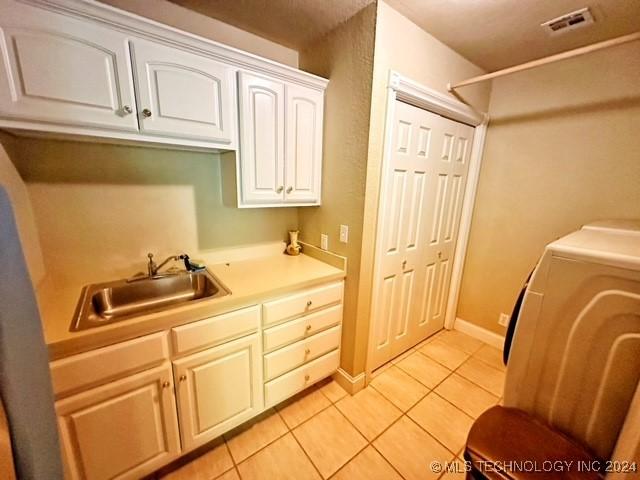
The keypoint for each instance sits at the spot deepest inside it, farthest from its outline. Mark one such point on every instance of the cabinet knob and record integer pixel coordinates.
(127, 109)
(307, 351)
(307, 328)
(289, 189)
(404, 264)
(306, 377)
(146, 113)
(279, 189)
(183, 378)
(309, 303)
(166, 384)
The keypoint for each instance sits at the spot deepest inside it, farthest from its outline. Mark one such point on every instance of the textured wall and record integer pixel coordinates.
(99, 208)
(190, 21)
(563, 149)
(344, 56)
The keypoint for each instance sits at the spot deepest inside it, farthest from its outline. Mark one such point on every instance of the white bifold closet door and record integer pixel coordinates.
(424, 183)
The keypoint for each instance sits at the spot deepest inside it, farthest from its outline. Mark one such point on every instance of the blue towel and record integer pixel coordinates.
(25, 383)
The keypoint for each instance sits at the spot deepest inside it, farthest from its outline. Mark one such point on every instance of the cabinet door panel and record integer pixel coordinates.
(125, 429)
(218, 389)
(261, 139)
(61, 70)
(303, 158)
(187, 95)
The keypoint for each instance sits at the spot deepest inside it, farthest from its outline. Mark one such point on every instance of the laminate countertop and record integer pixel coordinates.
(250, 282)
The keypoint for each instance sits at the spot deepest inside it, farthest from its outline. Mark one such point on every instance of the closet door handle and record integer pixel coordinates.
(146, 113)
(289, 189)
(127, 109)
(279, 189)
(404, 264)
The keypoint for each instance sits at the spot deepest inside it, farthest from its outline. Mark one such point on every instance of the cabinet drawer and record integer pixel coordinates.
(301, 303)
(291, 383)
(301, 328)
(288, 358)
(214, 330)
(105, 364)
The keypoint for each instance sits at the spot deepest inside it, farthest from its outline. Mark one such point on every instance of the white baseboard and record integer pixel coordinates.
(351, 384)
(473, 330)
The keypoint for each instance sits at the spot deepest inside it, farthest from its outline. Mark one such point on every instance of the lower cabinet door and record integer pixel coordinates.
(125, 429)
(218, 389)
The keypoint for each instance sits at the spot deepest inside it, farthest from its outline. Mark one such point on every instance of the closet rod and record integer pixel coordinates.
(544, 61)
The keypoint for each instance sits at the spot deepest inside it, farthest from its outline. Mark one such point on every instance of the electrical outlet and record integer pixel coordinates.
(344, 233)
(503, 319)
(324, 241)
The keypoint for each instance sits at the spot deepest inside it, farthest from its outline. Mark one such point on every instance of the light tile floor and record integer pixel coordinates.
(417, 409)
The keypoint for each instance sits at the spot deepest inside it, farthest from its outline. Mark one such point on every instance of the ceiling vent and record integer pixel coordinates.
(571, 21)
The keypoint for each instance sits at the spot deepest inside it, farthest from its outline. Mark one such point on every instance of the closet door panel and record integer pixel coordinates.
(448, 166)
(420, 209)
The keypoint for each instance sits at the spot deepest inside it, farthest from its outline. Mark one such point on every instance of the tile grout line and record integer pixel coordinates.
(289, 429)
(455, 370)
(333, 404)
(368, 443)
(431, 390)
(295, 439)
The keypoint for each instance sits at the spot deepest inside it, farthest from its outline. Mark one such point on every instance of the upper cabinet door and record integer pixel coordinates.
(62, 70)
(261, 140)
(303, 157)
(183, 95)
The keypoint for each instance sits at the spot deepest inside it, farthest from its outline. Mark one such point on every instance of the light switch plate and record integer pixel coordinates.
(344, 233)
(324, 241)
(503, 319)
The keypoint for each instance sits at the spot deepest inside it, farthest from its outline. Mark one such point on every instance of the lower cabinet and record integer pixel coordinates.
(128, 409)
(218, 389)
(124, 429)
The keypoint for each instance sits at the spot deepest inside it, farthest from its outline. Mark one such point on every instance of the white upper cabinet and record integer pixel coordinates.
(280, 157)
(182, 94)
(261, 166)
(62, 70)
(74, 67)
(303, 157)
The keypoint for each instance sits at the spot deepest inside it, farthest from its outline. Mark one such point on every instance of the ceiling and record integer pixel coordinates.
(495, 34)
(292, 23)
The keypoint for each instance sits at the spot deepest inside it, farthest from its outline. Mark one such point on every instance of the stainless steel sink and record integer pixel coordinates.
(106, 303)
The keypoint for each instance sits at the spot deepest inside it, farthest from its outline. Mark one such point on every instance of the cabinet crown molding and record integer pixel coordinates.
(146, 28)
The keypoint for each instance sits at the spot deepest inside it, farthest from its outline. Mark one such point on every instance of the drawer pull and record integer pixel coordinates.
(166, 384)
(307, 328)
(307, 351)
(183, 378)
(306, 377)
(309, 303)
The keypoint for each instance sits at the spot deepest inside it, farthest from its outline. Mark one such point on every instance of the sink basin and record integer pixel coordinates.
(106, 303)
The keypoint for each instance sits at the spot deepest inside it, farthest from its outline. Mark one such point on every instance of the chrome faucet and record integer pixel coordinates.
(153, 268)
